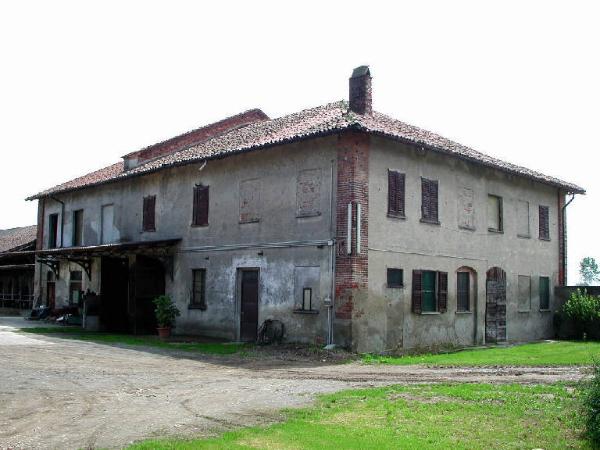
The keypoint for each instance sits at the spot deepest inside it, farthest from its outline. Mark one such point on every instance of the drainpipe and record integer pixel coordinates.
(564, 236)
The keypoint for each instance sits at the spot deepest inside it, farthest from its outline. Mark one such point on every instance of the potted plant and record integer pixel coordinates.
(165, 312)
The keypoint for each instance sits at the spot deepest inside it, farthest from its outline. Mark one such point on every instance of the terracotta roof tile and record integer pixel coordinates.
(14, 238)
(330, 118)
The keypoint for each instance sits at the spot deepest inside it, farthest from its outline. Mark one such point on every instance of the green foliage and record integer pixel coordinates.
(591, 407)
(555, 353)
(442, 416)
(588, 269)
(584, 312)
(165, 311)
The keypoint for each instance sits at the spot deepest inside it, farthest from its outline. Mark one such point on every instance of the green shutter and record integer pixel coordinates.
(544, 293)
(429, 295)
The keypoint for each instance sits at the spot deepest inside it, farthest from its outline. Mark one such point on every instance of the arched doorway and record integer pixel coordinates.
(495, 306)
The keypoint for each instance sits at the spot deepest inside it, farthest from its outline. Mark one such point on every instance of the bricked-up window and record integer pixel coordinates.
(200, 210)
(524, 286)
(544, 293)
(75, 287)
(395, 278)
(463, 291)
(429, 291)
(78, 228)
(250, 201)
(465, 208)
(523, 218)
(308, 193)
(396, 182)
(429, 201)
(149, 213)
(198, 299)
(52, 230)
(544, 223)
(495, 222)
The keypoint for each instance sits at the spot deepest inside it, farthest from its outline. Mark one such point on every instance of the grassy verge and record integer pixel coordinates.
(148, 341)
(457, 416)
(563, 353)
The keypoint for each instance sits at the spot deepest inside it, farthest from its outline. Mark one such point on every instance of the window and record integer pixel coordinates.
(544, 293)
(52, 230)
(463, 291)
(307, 299)
(544, 223)
(429, 201)
(149, 213)
(395, 278)
(495, 213)
(524, 286)
(75, 287)
(396, 181)
(429, 291)
(200, 209)
(198, 289)
(306, 289)
(308, 193)
(78, 228)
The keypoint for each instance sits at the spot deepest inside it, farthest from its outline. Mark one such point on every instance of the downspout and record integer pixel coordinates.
(62, 219)
(564, 237)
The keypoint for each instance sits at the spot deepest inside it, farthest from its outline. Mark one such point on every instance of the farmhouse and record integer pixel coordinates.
(348, 226)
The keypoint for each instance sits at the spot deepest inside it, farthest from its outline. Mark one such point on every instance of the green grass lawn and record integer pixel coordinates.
(148, 341)
(555, 353)
(456, 416)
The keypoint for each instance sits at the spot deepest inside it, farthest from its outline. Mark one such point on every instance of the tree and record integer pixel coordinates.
(588, 269)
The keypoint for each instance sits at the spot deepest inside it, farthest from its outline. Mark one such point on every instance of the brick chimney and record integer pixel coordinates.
(360, 91)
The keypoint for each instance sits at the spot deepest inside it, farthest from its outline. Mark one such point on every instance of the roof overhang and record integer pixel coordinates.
(117, 249)
(17, 267)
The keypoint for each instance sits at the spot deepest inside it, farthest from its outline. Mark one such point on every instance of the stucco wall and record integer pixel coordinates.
(412, 245)
(277, 171)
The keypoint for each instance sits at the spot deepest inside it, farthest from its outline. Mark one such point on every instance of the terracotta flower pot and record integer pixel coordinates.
(164, 333)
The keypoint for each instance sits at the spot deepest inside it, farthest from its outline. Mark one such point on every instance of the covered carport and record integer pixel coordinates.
(121, 280)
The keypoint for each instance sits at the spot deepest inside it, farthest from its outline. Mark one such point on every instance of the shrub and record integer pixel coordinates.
(583, 311)
(165, 311)
(591, 407)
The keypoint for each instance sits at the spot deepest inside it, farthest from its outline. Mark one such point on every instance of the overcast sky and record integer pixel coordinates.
(81, 84)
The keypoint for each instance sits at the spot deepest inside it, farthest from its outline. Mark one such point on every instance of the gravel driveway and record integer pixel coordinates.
(61, 393)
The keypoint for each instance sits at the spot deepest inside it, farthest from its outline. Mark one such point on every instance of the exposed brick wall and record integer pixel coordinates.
(195, 137)
(351, 276)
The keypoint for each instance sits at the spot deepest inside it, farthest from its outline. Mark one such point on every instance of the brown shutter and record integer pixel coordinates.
(544, 226)
(396, 183)
(417, 291)
(200, 205)
(442, 292)
(149, 213)
(429, 200)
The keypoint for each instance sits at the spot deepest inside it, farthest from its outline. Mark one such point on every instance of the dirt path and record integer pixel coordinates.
(58, 393)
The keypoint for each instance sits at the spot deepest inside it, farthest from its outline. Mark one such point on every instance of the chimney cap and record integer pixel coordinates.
(360, 72)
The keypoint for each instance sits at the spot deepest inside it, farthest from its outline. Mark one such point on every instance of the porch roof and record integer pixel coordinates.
(120, 248)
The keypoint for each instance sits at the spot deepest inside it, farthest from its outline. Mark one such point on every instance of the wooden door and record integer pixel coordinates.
(495, 307)
(249, 306)
(51, 294)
